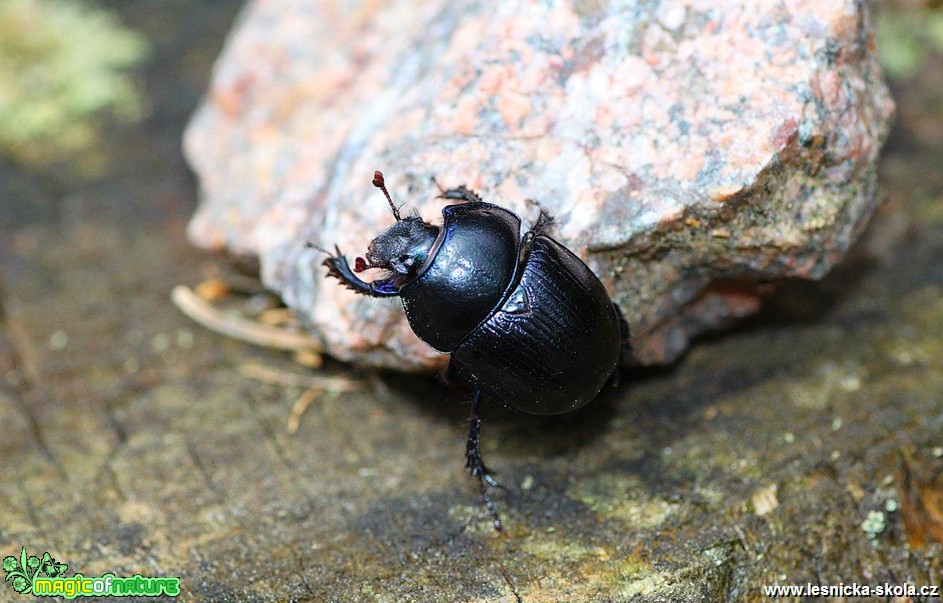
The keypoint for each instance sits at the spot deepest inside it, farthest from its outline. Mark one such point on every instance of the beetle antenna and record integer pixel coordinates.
(380, 183)
(310, 245)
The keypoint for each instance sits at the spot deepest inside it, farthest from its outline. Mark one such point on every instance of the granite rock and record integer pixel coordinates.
(690, 151)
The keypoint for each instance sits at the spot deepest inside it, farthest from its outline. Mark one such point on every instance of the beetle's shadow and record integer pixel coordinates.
(800, 302)
(521, 434)
(675, 391)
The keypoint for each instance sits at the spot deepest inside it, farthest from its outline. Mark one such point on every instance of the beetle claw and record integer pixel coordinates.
(489, 479)
(338, 268)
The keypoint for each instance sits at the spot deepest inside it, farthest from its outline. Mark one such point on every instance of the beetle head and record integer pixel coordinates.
(403, 247)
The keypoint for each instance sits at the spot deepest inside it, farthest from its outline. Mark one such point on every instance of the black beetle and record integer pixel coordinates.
(524, 319)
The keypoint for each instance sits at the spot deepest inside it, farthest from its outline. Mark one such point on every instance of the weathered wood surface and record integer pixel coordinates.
(131, 443)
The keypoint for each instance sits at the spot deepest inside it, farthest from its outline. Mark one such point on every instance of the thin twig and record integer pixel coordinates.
(334, 385)
(240, 328)
(300, 406)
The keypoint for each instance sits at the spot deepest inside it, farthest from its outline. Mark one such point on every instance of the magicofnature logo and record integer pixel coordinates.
(43, 577)
(23, 571)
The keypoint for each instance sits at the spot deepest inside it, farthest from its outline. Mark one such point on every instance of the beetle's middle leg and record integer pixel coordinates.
(544, 220)
(474, 462)
(461, 193)
(543, 223)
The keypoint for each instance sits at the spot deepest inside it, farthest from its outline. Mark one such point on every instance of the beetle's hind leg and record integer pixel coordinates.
(475, 464)
(625, 349)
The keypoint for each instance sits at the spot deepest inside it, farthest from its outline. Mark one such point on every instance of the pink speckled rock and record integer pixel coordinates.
(687, 148)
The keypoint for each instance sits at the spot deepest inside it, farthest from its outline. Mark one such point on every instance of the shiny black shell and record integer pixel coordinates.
(466, 275)
(530, 325)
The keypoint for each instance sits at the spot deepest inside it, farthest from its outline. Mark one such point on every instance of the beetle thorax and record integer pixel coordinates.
(403, 247)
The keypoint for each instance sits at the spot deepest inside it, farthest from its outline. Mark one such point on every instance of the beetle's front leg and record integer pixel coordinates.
(338, 267)
(475, 464)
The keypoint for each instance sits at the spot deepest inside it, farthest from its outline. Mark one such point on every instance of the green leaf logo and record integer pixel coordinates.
(51, 568)
(21, 572)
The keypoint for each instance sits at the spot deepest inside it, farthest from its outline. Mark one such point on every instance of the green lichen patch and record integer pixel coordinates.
(826, 382)
(62, 63)
(617, 497)
(587, 572)
(905, 38)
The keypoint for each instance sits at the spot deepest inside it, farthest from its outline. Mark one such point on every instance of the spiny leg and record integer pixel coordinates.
(544, 219)
(338, 268)
(461, 193)
(540, 227)
(543, 223)
(476, 465)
